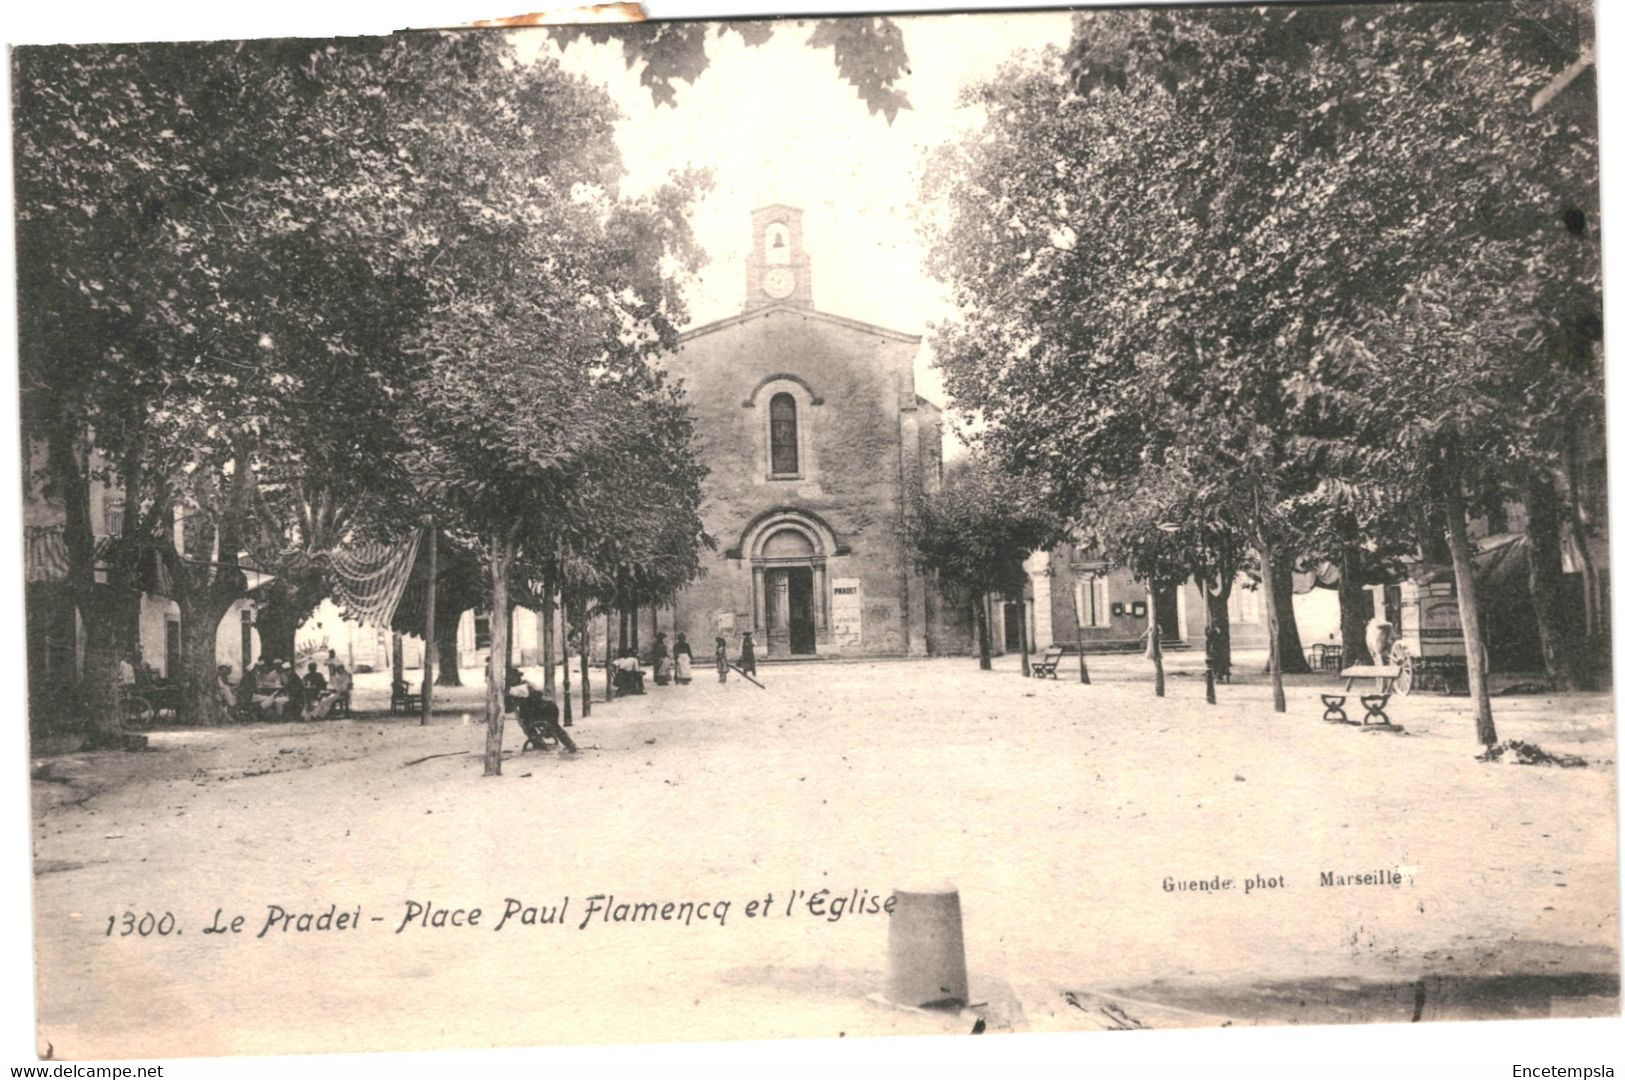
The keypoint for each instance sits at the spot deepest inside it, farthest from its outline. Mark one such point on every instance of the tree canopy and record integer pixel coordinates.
(1195, 225)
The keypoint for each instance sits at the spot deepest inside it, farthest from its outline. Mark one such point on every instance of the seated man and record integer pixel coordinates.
(539, 717)
(294, 690)
(225, 693)
(628, 673)
(336, 692)
(270, 693)
(315, 683)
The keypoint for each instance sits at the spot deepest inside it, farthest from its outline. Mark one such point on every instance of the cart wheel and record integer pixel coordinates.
(138, 714)
(1406, 675)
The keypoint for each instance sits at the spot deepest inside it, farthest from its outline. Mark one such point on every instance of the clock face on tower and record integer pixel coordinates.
(779, 282)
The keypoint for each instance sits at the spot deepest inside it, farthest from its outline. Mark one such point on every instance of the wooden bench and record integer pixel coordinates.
(1334, 713)
(1047, 664)
(403, 700)
(1388, 677)
(1375, 706)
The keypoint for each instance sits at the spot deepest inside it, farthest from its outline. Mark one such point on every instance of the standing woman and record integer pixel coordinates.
(662, 659)
(747, 655)
(684, 657)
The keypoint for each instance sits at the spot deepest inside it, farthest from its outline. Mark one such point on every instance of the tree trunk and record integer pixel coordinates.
(1083, 661)
(1021, 614)
(622, 647)
(1560, 651)
(397, 659)
(277, 623)
(983, 648)
(1217, 604)
(610, 653)
(1430, 534)
(1290, 645)
(564, 650)
(104, 621)
(496, 672)
(545, 621)
(637, 613)
(1153, 648)
(196, 687)
(507, 653)
(128, 616)
(111, 611)
(1270, 569)
(586, 662)
(429, 641)
(447, 618)
(1461, 558)
(1351, 616)
(282, 611)
(1581, 532)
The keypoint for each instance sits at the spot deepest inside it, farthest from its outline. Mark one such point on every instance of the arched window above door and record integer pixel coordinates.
(784, 451)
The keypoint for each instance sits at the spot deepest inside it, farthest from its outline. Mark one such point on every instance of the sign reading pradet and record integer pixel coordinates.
(846, 612)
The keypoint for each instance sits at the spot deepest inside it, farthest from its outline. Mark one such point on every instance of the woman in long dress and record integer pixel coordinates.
(684, 657)
(662, 659)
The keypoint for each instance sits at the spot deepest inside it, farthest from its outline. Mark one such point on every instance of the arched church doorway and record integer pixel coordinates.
(787, 556)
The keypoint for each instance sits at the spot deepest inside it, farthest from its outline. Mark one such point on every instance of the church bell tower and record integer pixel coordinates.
(778, 270)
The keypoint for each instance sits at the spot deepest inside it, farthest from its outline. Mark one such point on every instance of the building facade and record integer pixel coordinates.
(816, 441)
(54, 631)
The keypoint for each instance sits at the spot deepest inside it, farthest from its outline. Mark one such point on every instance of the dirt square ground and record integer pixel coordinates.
(1067, 816)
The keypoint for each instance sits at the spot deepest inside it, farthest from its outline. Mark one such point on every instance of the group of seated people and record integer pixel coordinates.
(272, 690)
(628, 673)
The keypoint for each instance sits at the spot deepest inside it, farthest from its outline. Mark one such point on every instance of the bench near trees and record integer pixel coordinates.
(402, 699)
(1046, 665)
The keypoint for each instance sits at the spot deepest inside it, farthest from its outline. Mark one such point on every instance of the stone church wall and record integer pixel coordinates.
(860, 424)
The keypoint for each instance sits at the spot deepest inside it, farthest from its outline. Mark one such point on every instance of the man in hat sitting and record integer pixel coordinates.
(539, 717)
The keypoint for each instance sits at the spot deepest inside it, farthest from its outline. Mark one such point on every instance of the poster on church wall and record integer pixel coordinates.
(655, 327)
(846, 612)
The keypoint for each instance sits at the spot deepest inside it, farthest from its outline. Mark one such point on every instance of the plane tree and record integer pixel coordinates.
(975, 533)
(1164, 232)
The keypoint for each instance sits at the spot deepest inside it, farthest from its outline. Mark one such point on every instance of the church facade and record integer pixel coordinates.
(816, 441)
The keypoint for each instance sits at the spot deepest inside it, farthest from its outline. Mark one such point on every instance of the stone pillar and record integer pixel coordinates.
(1038, 571)
(758, 603)
(914, 620)
(820, 598)
(926, 943)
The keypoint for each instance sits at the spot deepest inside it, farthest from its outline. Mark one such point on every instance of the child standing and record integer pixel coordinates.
(722, 660)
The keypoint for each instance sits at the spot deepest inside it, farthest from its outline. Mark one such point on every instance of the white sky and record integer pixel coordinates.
(775, 124)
